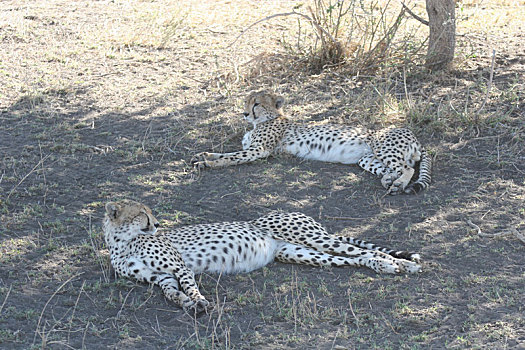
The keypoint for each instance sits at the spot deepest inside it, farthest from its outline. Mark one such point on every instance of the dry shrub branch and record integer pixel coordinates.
(361, 35)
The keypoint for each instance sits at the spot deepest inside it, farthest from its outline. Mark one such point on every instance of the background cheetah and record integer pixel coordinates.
(391, 153)
(171, 258)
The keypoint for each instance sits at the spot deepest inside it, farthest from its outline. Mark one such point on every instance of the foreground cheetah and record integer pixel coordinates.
(171, 258)
(390, 153)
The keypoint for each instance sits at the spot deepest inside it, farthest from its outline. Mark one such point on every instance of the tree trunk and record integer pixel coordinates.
(442, 40)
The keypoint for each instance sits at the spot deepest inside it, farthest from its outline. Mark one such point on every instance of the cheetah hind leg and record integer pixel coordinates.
(296, 254)
(394, 181)
(303, 230)
(336, 245)
(399, 254)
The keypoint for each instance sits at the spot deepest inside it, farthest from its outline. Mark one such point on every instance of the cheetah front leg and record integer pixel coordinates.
(291, 253)
(166, 281)
(186, 279)
(395, 178)
(169, 283)
(373, 165)
(214, 160)
(399, 185)
(170, 288)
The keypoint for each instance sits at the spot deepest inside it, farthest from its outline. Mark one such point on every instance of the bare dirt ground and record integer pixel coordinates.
(101, 100)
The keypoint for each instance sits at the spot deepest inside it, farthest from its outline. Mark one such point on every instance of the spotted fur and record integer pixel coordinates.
(390, 153)
(171, 258)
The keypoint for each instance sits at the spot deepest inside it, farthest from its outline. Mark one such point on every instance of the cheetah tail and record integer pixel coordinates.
(423, 181)
(400, 254)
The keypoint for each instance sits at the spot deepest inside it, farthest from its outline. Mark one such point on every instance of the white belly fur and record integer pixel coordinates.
(349, 152)
(265, 249)
(346, 153)
(247, 140)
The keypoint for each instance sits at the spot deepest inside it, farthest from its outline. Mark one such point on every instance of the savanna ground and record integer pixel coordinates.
(101, 100)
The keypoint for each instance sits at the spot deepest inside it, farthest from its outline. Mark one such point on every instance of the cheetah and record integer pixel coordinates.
(391, 153)
(171, 258)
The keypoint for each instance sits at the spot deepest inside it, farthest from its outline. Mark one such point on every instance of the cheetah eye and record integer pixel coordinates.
(148, 224)
(256, 104)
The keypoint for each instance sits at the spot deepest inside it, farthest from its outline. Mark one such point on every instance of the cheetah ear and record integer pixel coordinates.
(279, 101)
(112, 209)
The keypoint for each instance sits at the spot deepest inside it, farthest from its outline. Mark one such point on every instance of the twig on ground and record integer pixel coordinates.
(158, 330)
(144, 302)
(84, 335)
(74, 309)
(511, 231)
(389, 324)
(340, 218)
(489, 87)
(43, 174)
(353, 313)
(6, 296)
(124, 303)
(386, 193)
(49, 300)
(97, 255)
(335, 338)
(219, 307)
(41, 162)
(146, 135)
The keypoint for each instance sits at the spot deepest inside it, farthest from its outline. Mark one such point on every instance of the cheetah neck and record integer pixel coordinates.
(267, 117)
(279, 120)
(118, 238)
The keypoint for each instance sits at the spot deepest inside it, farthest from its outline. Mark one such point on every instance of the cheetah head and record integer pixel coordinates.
(262, 106)
(127, 219)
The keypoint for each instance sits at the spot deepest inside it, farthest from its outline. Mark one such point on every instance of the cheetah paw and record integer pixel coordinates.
(387, 180)
(409, 266)
(199, 161)
(415, 257)
(199, 165)
(396, 188)
(196, 306)
(380, 265)
(202, 305)
(199, 157)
